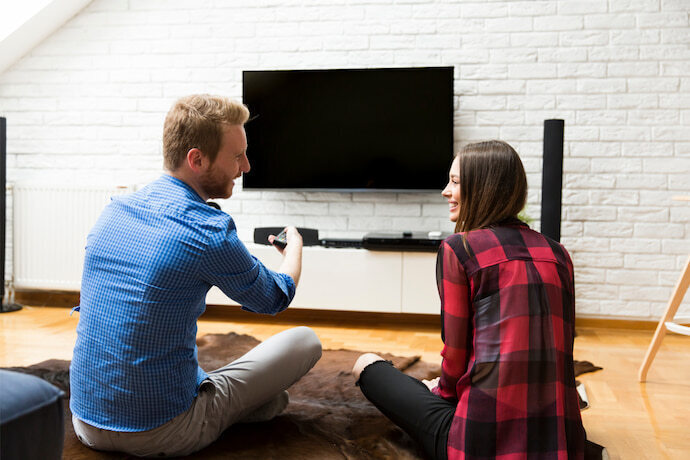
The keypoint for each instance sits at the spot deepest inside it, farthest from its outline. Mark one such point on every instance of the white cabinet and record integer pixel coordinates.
(419, 291)
(356, 280)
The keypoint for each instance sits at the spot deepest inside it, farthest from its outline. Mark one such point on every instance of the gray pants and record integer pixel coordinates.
(251, 388)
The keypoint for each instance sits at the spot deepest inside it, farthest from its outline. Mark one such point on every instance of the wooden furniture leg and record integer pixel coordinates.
(673, 304)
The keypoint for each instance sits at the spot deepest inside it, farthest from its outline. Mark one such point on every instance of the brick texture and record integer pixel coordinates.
(87, 105)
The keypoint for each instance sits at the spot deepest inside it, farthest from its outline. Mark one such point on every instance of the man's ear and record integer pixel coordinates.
(195, 160)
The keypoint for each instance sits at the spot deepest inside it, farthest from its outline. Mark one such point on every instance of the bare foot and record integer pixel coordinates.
(363, 361)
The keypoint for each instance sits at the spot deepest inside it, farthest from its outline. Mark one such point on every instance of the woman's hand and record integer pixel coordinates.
(431, 384)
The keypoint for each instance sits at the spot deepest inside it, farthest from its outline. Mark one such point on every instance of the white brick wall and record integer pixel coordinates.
(88, 105)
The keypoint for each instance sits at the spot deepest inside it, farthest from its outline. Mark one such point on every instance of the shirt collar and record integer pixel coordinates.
(189, 191)
(510, 221)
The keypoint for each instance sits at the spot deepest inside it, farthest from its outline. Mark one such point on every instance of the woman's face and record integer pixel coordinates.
(452, 190)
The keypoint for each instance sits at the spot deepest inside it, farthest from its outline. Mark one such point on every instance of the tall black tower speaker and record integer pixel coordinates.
(552, 179)
(4, 307)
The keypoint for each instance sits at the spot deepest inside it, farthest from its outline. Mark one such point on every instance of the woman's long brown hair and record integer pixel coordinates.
(493, 185)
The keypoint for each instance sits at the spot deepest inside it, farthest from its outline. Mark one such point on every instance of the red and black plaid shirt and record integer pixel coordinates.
(508, 312)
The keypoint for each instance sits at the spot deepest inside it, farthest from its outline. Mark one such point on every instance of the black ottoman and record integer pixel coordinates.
(31, 423)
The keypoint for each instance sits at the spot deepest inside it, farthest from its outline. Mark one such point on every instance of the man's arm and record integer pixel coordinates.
(228, 265)
(292, 254)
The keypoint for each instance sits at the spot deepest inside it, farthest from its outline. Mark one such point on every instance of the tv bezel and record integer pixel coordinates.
(356, 189)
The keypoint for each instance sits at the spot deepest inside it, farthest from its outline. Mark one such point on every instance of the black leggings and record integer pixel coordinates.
(410, 405)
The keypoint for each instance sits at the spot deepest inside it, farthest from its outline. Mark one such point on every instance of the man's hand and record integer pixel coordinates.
(292, 236)
(292, 253)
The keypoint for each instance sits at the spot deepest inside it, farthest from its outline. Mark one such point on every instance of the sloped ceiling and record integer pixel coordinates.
(36, 28)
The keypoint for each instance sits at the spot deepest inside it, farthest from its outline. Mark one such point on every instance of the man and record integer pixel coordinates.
(150, 259)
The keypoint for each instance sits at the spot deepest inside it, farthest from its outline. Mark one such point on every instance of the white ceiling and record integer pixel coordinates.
(25, 24)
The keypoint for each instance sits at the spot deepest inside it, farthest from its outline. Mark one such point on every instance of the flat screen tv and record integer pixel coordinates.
(386, 129)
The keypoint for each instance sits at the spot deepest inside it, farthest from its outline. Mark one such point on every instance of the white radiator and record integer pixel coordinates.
(50, 225)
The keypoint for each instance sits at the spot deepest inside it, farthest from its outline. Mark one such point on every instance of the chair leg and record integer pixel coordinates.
(673, 304)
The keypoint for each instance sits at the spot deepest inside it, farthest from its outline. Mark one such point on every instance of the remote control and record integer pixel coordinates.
(280, 240)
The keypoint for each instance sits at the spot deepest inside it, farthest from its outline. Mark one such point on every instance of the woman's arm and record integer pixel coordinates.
(453, 288)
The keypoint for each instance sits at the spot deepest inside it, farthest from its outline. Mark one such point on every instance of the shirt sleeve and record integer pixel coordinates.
(456, 332)
(571, 291)
(242, 277)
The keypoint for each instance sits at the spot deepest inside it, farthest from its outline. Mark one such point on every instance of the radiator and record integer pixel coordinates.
(50, 225)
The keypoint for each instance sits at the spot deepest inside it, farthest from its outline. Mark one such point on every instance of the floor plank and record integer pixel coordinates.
(633, 420)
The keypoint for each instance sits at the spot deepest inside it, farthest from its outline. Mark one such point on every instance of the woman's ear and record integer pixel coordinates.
(195, 159)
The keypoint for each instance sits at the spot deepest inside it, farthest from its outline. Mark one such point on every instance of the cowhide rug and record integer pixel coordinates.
(327, 418)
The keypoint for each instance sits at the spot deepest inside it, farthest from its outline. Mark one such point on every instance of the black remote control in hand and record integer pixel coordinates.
(280, 240)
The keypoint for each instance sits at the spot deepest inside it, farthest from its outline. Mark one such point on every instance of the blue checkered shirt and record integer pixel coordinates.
(150, 260)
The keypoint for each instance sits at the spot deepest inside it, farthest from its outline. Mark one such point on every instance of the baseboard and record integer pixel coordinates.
(327, 318)
(616, 323)
(40, 298)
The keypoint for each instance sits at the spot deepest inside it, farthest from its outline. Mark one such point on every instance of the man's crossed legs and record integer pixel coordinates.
(250, 389)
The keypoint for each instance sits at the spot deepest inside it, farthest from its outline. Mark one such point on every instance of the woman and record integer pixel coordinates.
(507, 387)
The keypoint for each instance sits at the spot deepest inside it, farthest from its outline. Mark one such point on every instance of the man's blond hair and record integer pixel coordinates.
(197, 121)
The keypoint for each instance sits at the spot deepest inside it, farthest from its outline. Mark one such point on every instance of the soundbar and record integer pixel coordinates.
(310, 236)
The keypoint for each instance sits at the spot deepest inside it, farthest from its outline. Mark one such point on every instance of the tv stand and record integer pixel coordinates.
(351, 279)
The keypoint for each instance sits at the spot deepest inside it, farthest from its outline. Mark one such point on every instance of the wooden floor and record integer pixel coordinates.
(633, 420)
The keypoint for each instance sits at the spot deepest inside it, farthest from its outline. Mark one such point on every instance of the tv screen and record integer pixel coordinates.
(349, 129)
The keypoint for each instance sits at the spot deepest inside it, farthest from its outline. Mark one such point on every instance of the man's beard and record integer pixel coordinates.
(216, 184)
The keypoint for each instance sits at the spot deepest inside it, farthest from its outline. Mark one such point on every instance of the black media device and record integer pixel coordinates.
(404, 241)
(353, 243)
(379, 129)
